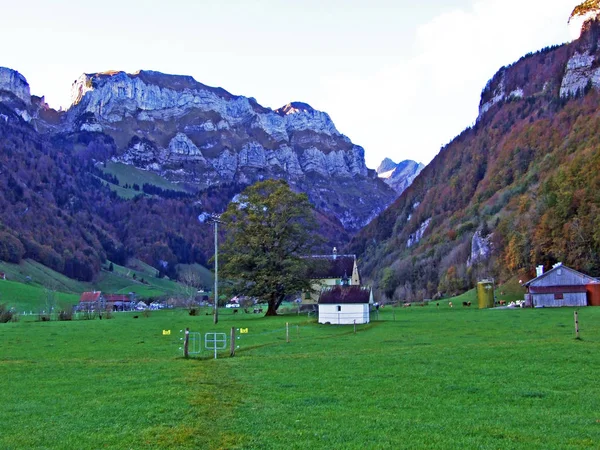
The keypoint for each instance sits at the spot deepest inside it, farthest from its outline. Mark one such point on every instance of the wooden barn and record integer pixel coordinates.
(560, 286)
(345, 305)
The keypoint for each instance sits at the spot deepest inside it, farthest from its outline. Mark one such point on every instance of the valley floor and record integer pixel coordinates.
(430, 377)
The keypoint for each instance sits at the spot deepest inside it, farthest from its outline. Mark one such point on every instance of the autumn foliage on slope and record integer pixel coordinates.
(526, 175)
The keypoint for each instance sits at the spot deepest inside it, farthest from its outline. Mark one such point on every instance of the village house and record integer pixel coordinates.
(345, 305)
(560, 286)
(91, 301)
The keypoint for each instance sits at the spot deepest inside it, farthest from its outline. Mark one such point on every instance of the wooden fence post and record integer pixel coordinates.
(186, 343)
(232, 344)
(576, 326)
(354, 326)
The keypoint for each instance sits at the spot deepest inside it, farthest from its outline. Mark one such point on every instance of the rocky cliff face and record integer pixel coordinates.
(14, 90)
(12, 81)
(399, 176)
(563, 71)
(195, 134)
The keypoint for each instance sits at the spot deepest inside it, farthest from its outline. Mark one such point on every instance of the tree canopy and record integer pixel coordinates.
(585, 7)
(270, 229)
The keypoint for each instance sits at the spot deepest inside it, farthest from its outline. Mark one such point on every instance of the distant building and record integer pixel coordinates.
(560, 286)
(91, 301)
(345, 305)
(330, 270)
(119, 302)
(2, 276)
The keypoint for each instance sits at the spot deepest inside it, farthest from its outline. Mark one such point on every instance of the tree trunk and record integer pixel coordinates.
(272, 309)
(273, 305)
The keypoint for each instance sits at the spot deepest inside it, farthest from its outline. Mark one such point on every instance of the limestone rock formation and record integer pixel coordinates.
(195, 134)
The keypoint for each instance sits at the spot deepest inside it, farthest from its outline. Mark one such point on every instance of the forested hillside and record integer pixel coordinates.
(518, 189)
(57, 210)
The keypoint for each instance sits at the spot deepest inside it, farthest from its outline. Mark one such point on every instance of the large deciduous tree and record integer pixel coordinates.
(270, 229)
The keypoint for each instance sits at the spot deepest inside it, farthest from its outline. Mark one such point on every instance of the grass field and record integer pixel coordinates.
(419, 377)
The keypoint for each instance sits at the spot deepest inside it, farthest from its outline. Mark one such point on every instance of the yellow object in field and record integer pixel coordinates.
(485, 294)
(166, 332)
(244, 330)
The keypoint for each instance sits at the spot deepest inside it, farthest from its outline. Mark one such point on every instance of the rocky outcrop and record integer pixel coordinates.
(581, 73)
(399, 176)
(15, 83)
(481, 248)
(416, 237)
(14, 91)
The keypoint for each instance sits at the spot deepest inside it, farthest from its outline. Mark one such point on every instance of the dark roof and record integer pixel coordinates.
(583, 278)
(117, 298)
(90, 296)
(330, 266)
(345, 294)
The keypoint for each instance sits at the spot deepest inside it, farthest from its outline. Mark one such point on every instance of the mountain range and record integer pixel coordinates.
(131, 142)
(125, 171)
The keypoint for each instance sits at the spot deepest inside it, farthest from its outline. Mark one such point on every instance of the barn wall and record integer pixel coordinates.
(346, 316)
(548, 301)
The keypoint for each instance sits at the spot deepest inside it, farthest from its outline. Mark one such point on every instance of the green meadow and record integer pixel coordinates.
(418, 377)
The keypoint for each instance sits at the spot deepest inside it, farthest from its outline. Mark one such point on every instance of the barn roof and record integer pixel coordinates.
(583, 278)
(116, 298)
(331, 266)
(345, 295)
(90, 297)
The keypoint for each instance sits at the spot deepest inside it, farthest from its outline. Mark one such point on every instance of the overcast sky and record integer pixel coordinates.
(401, 78)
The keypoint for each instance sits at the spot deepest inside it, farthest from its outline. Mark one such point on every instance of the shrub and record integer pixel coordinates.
(65, 315)
(194, 311)
(7, 314)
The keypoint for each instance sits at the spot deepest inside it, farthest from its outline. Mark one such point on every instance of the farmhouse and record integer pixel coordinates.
(330, 270)
(91, 301)
(560, 286)
(344, 305)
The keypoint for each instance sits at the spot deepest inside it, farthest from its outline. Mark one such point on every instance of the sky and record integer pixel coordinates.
(400, 78)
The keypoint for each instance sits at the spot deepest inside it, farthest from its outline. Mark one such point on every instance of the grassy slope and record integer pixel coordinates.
(29, 295)
(431, 378)
(131, 175)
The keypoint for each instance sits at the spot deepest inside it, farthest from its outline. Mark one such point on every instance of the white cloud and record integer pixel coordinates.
(430, 97)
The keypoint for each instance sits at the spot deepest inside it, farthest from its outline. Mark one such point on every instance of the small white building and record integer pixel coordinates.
(344, 305)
